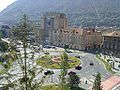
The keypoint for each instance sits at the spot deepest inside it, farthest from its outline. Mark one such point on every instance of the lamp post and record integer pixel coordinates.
(111, 55)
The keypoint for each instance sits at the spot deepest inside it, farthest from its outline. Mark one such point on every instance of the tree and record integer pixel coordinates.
(73, 79)
(3, 46)
(25, 79)
(66, 46)
(64, 64)
(64, 67)
(97, 82)
(119, 65)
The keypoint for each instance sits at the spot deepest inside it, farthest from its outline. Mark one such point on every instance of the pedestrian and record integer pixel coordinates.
(86, 82)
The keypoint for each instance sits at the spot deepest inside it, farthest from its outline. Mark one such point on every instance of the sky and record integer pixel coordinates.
(5, 3)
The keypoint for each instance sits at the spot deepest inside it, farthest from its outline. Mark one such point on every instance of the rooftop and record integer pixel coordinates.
(114, 33)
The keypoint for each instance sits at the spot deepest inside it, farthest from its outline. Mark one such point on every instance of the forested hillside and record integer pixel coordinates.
(79, 12)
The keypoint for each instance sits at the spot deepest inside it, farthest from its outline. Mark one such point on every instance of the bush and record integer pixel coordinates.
(108, 60)
(5, 66)
(119, 65)
(108, 66)
(3, 46)
(104, 57)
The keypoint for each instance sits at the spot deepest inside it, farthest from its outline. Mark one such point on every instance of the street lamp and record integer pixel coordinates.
(111, 55)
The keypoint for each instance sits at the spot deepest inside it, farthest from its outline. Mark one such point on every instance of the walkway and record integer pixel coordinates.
(109, 83)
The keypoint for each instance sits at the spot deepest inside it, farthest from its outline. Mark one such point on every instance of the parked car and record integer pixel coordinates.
(48, 72)
(53, 47)
(91, 63)
(17, 50)
(77, 56)
(46, 53)
(94, 74)
(47, 46)
(31, 52)
(2, 88)
(68, 51)
(78, 67)
(71, 72)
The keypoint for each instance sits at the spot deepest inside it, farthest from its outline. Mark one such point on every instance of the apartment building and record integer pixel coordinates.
(111, 43)
(77, 38)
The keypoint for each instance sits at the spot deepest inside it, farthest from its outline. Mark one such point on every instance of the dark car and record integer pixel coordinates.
(94, 74)
(46, 53)
(48, 72)
(91, 63)
(53, 47)
(78, 67)
(17, 50)
(68, 51)
(71, 72)
(47, 46)
(77, 56)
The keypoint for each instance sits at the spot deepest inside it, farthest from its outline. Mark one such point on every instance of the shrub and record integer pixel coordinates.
(5, 65)
(108, 60)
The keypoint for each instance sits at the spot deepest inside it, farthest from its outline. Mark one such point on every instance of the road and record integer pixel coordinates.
(85, 72)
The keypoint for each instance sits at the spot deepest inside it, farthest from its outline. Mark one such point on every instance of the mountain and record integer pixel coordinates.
(79, 12)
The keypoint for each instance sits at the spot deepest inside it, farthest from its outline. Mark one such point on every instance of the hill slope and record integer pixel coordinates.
(79, 12)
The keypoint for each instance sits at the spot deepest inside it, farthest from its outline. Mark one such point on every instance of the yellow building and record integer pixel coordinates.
(77, 38)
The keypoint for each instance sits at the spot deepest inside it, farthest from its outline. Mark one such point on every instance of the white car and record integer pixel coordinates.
(94, 74)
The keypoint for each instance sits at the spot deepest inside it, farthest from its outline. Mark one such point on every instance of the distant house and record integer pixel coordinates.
(111, 43)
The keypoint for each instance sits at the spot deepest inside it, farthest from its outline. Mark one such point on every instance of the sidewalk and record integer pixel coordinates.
(1, 68)
(110, 59)
(85, 83)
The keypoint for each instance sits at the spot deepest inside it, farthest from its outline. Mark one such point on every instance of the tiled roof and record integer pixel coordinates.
(77, 30)
(114, 33)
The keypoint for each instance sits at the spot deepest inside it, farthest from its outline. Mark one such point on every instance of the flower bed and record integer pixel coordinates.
(55, 61)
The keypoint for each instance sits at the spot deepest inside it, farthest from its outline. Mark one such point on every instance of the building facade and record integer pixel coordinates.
(77, 38)
(111, 43)
(51, 22)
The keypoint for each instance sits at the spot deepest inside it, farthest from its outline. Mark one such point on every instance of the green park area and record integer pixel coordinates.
(7, 66)
(59, 87)
(54, 62)
(107, 65)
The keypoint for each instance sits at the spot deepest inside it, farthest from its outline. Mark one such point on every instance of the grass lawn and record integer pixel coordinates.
(107, 65)
(6, 69)
(56, 65)
(59, 87)
(55, 51)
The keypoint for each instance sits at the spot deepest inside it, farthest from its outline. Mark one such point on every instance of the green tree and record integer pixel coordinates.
(26, 79)
(1, 35)
(66, 46)
(64, 64)
(119, 65)
(64, 69)
(3, 46)
(73, 79)
(97, 82)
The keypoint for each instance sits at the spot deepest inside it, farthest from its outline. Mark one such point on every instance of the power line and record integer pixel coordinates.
(96, 10)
